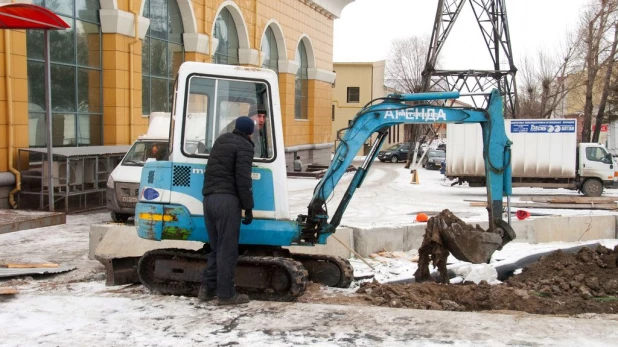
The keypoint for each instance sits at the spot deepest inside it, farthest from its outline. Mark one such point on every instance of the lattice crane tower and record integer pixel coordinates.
(491, 18)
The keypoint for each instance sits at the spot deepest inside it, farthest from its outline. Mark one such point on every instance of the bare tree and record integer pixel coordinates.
(544, 81)
(528, 97)
(597, 23)
(404, 68)
(606, 85)
(404, 73)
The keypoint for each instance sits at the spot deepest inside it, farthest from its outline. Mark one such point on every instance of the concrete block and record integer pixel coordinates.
(332, 246)
(413, 237)
(96, 234)
(122, 241)
(539, 230)
(16, 220)
(367, 241)
(524, 229)
(576, 228)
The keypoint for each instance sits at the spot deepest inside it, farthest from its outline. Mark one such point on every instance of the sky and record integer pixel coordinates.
(366, 28)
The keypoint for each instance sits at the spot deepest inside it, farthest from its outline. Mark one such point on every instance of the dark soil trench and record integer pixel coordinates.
(559, 283)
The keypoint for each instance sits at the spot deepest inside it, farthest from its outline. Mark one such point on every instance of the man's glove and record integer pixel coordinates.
(248, 217)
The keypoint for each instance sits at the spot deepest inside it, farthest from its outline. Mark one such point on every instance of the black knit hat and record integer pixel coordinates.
(256, 109)
(245, 125)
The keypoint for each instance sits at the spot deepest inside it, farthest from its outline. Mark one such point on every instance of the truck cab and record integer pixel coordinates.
(596, 169)
(123, 183)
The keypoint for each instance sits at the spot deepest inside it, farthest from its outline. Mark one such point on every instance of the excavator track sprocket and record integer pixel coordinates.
(179, 272)
(328, 270)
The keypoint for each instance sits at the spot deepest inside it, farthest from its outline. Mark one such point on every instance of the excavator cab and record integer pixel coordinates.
(207, 101)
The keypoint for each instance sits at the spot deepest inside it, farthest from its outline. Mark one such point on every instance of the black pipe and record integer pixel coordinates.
(505, 268)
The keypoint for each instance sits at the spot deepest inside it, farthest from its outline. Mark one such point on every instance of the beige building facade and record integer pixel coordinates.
(355, 86)
(117, 64)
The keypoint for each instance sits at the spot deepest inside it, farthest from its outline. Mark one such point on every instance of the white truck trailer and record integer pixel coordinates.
(545, 154)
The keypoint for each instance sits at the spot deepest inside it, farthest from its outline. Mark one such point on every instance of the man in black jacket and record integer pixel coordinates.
(227, 190)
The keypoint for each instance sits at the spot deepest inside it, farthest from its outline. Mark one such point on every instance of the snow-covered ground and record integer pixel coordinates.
(387, 198)
(77, 309)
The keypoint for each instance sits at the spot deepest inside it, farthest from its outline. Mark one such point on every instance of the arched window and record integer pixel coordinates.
(225, 32)
(301, 91)
(269, 47)
(162, 54)
(76, 89)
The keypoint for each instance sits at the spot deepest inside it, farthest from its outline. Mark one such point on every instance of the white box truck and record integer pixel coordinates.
(123, 183)
(545, 154)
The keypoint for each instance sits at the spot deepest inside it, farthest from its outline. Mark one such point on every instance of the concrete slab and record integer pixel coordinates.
(538, 230)
(15, 220)
(122, 242)
(570, 229)
(367, 241)
(413, 238)
(332, 246)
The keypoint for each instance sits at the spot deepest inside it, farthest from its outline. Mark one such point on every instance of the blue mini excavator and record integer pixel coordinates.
(207, 100)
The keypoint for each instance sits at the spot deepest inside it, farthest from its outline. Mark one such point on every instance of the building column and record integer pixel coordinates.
(15, 83)
(122, 115)
(287, 77)
(320, 101)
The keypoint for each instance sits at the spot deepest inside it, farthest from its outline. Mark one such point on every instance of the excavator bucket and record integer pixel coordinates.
(466, 242)
(472, 245)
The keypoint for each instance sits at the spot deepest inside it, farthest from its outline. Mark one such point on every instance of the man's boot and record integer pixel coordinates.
(205, 295)
(235, 300)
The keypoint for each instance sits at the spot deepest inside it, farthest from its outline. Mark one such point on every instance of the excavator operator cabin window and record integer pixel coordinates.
(213, 105)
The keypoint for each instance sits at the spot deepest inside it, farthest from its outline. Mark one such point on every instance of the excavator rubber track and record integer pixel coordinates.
(179, 272)
(328, 270)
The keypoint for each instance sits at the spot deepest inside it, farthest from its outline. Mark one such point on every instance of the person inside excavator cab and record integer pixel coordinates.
(259, 116)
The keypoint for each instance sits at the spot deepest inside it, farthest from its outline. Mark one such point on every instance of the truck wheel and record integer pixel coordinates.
(394, 159)
(119, 217)
(592, 187)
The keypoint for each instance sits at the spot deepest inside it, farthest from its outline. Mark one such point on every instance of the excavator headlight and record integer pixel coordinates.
(156, 217)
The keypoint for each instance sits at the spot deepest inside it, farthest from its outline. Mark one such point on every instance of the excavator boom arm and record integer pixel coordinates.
(391, 111)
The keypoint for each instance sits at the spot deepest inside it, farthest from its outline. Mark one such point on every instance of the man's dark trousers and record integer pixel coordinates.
(222, 217)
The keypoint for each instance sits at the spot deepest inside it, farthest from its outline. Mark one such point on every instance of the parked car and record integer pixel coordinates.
(395, 153)
(441, 147)
(434, 159)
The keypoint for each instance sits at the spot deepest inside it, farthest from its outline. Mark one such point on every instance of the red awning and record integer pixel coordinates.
(24, 16)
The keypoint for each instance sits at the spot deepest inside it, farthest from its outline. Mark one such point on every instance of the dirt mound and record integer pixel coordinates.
(560, 283)
(589, 273)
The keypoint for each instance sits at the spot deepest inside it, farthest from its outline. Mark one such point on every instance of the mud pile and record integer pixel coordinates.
(559, 283)
(588, 273)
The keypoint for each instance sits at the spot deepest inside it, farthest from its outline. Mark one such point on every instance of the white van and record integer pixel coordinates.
(123, 183)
